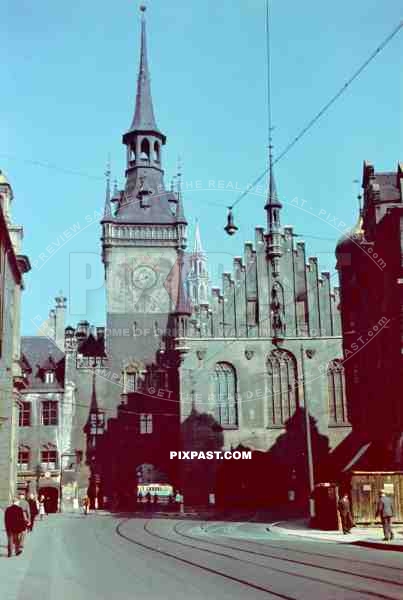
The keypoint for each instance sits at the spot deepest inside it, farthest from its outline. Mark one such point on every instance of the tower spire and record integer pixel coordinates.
(108, 209)
(180, 215)
(143, 119)
(197, 282)
(93, 408)
(197, 246)
(273, 205)
(94, 403)
(182, 304)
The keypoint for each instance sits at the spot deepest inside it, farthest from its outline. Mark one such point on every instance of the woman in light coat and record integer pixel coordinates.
(42, 511)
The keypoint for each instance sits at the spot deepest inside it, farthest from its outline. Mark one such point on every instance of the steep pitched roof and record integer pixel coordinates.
(36, 351)
(158, 213)
(143, 119)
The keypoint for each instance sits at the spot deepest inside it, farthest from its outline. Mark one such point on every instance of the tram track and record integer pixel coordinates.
(301, 562)
(186, 561)
(257, 542)
(247, 561)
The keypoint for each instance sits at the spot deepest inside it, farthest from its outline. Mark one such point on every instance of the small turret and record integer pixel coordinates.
(273, 207)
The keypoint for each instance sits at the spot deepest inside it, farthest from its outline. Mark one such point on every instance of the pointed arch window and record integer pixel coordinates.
(225, 395)
(336, 393)
(145, 149)
(282, 392)
(132, 153)
(156, 152)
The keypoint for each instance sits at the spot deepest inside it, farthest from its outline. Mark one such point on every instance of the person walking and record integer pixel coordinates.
(148, 501)
(42, 511)
(86, 505)
(33, 506)
(27, 516)
(345, 513)
(15, 525)
(384, 510)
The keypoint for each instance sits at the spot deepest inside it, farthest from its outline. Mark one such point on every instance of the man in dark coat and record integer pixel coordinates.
(15, 524)
(345, 514)
(33, 507)
(384, 510)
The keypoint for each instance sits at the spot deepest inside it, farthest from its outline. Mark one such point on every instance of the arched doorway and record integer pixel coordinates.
(51, 498)
(153, 487)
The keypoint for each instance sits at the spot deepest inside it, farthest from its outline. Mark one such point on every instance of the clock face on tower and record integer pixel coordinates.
(149, 293)
(144, 278)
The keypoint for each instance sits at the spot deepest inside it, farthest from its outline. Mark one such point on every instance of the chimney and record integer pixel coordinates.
(60, 315)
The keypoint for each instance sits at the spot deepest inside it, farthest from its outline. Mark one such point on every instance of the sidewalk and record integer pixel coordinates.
(360, 535)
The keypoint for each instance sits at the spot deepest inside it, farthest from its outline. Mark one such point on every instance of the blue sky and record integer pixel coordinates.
(68, 88)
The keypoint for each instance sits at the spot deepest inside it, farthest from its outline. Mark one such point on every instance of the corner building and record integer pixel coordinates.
(369, 261)
(237, 368)
(13, 266)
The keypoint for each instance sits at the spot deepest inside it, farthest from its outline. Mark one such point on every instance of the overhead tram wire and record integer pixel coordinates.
(291, 144)
(316, 118)
(268, 66)
(231, 228)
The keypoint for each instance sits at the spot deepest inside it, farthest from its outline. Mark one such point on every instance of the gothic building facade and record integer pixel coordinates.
(182, 367)
(238, 366)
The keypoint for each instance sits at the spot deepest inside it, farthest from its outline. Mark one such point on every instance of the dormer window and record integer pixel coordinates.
(49, 377)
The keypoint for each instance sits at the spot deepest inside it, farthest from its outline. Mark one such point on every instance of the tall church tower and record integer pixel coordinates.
(198, 283)
(142, 237)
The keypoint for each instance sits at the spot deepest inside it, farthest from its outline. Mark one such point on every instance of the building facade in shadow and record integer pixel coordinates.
(370, 270)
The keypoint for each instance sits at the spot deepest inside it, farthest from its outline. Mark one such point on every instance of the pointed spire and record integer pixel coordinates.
(180, 214)
(144, 119)
(182, 301)
(197, 247)
(272, 196)
(93, 406)
(108, 209)
(94, 403)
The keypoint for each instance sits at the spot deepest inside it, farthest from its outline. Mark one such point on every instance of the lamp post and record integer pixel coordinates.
(308, 438)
